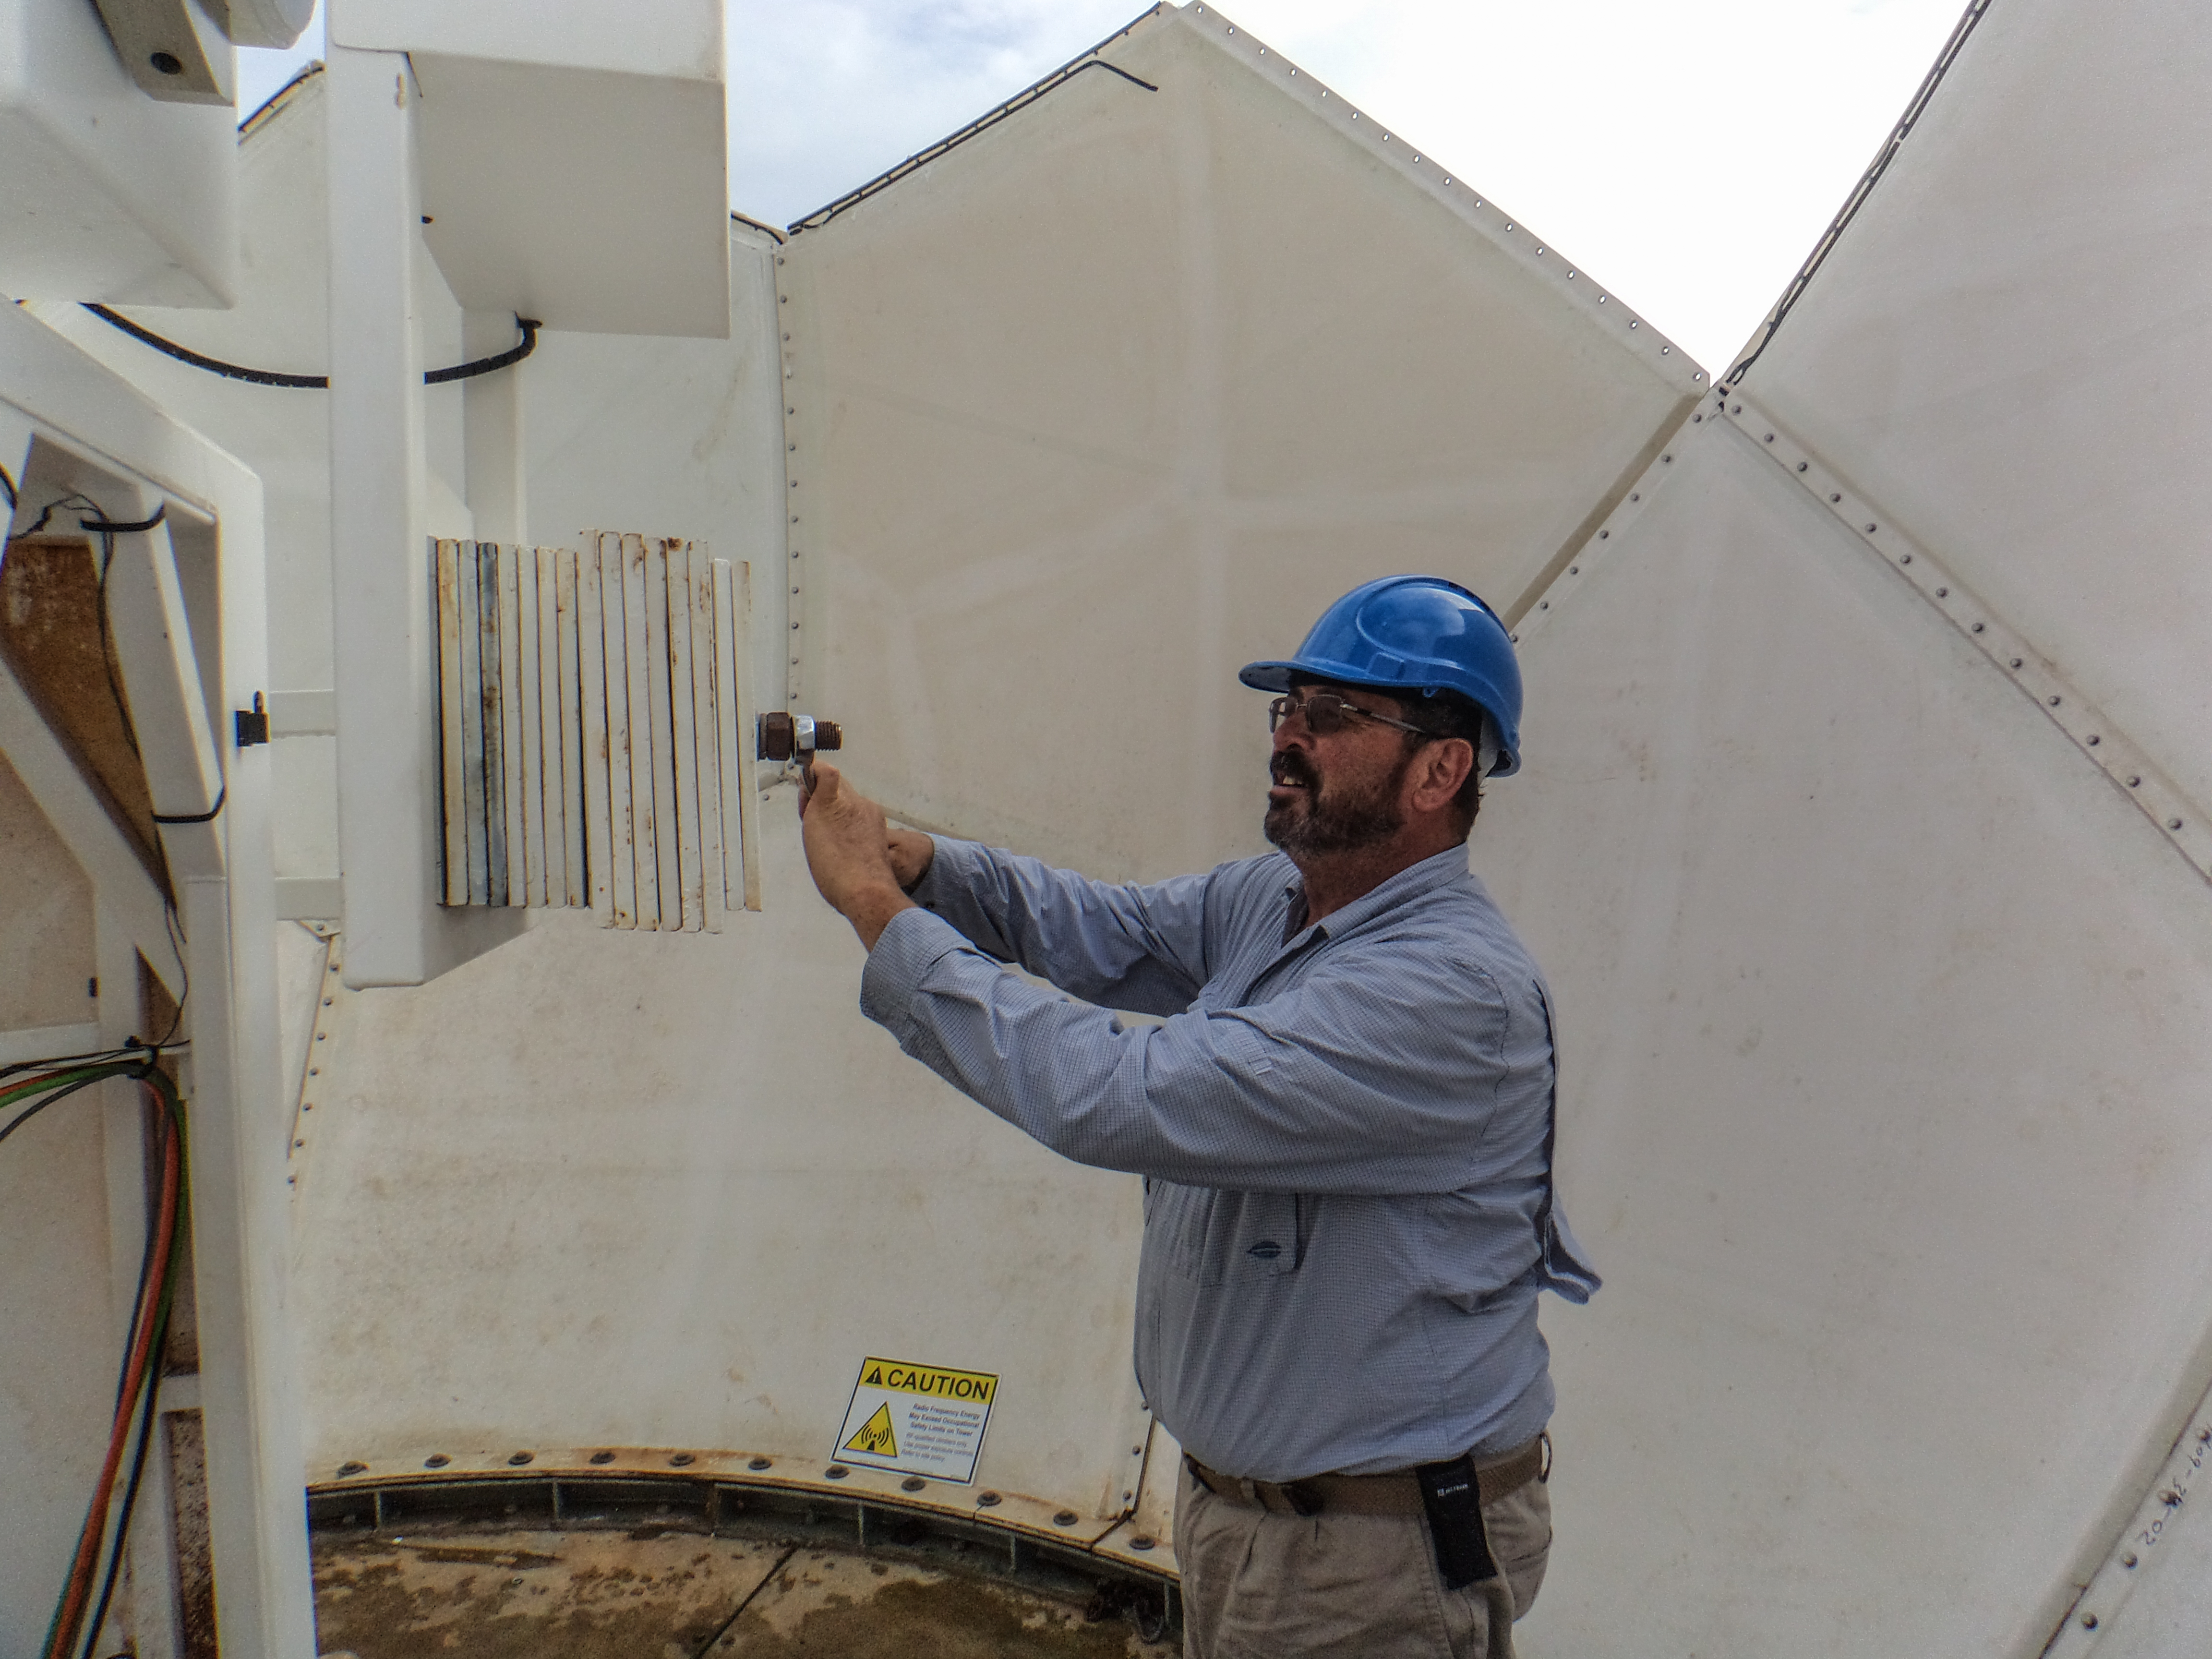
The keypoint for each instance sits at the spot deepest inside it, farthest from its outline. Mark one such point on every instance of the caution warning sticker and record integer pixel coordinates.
(917, 1419)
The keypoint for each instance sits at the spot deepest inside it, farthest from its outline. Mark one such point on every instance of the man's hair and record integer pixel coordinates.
(1448, 714)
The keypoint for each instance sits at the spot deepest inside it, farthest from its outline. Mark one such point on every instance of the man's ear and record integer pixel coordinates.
(1444, 769)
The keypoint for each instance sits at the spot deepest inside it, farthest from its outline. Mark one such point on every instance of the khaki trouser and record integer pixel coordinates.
(1262, 1584)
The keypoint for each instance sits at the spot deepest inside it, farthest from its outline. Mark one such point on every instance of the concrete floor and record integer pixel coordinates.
(461, 1591)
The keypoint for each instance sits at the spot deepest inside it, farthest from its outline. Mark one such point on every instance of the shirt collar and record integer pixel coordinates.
(1414, 881)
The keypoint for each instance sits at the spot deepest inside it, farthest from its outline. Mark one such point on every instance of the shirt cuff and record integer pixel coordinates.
(946, 875)
(911, 944)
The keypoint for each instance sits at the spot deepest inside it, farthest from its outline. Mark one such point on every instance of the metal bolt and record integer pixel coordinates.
(1140, 1543)
(1942, 592)
(334, 968)
(347, 1470)
(328, 1000)
(1835, 498)
(913, 1483)
(759, 1464)
(2173, 824)
(1696, 420)
(836, 1472)
(1903, 558)
(436, 1460)
(2088, 1621)
(1768, 439)
(682, 1460)
(1977, 628)
(299, 1143)
(2128, 1560)
(1632, 322)
(986, 1500)
(2094, 740)
(1574, 570)
(1634, 497)
(1869, 530)
(314, 1071)
(2054, 703)
(307, 1105)
(1603, 535)
(2013, 661)
(1065, 1519)
(603, 1457)
(1800, 466)
(322, 1037)
(1668, 460)
(1543, 605)
(521, 1458)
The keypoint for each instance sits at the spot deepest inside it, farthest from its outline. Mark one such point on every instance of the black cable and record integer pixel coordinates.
(722, 1629)
(529, 325)
(207, 816)
(130, 1494)
(95, 1057)
(45, 1101)
(167, 1105)
(514, 354)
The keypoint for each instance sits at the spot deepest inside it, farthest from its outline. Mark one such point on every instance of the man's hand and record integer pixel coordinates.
(848, 849)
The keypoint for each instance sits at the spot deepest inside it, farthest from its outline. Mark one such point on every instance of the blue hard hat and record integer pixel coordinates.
(1412, 636)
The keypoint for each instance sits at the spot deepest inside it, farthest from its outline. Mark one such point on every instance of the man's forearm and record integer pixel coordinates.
(870, 909)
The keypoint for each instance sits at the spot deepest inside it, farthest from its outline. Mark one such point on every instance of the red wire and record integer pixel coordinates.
(140, 1364)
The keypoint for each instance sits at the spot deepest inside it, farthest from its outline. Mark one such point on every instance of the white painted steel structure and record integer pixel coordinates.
(1860, 831)
(188, 609)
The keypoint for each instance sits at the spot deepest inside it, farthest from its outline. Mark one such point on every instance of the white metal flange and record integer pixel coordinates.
(2183, 823)
(1605, 538)
(2091, 1616)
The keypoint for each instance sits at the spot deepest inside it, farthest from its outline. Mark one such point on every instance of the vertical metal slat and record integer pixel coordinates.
(454, 694)
(595, 675)
(529, 699)
(733, 609)
(639, 637)
(707, 727)
(684, 728)
(489, 675)
(574, 802)
(512, 695)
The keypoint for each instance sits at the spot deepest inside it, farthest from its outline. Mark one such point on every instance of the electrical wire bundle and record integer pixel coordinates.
(71, 1634)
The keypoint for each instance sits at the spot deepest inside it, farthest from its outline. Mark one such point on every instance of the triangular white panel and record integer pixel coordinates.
(2009, 348)
(1120, 390)
(1882, 1057)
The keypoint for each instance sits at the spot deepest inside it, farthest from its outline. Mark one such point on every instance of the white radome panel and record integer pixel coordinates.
(1883, 1048)
(598, 1189)
(2008, 348)
(1120, 392)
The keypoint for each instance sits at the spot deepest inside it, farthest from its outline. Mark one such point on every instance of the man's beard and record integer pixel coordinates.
(1339, 824)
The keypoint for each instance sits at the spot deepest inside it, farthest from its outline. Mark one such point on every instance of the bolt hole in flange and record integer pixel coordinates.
(166, 62)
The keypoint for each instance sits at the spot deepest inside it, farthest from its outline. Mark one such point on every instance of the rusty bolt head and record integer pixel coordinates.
(913, 1483)
(1065, 1519)
(759, 1464)
(603, 1457)
(436, 1460)
(682, 1460)
(521, 1458)
(347, 1470)
(836, 1472)
(986, 1500)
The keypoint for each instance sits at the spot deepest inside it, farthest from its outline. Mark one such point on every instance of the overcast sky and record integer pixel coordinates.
(1686, 155)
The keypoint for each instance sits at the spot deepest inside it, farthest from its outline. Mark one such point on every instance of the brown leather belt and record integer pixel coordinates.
(1395, 1493)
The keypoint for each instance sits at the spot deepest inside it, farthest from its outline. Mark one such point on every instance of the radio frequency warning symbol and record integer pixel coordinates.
(917, 1419)
(875, 1436)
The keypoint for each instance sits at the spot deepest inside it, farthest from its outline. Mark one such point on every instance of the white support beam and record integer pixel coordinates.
(168, 710)
(388, 827)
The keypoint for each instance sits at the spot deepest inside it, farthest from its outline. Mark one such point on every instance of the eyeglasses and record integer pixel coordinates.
(1326, 713)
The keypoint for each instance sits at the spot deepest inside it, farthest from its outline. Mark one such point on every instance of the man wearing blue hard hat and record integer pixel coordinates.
(1344, 1125)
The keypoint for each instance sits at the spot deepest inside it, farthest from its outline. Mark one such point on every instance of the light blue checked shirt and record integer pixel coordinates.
(1344, 1129)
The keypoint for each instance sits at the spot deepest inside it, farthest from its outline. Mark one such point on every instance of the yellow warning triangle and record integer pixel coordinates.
(874, 1437)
